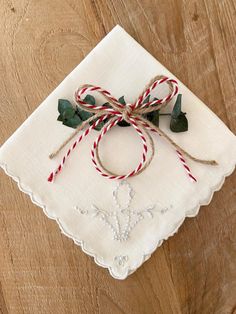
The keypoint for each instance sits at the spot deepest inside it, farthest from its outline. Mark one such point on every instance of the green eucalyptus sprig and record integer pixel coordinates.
(178, 121)
(73, 116)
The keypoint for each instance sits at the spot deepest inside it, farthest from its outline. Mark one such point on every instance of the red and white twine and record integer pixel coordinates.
(115, 112)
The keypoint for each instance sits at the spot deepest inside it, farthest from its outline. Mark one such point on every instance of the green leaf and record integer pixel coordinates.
(73, 122)
(177, 107)
(147, 99)
(84, 115)
(99, 126)
(60, 118)
(106, 104)
(63, 104)
(68, 113)
(179, 124)
(122, 100)
(89, 99)
(153, 117)
(123, 123)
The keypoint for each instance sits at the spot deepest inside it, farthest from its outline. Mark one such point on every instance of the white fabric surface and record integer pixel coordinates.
(81, 201)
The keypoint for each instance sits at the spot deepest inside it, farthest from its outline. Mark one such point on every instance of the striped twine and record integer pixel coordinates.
(53, 174)
(114, 112)
(180, 156)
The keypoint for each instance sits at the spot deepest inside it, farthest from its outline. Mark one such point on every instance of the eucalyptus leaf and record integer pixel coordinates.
(84, 115)
(106, 104)
(123, 123)
(179, 124)
(122, 100)
(68, 113)
(153, 117)
(60, 118)
(99, 126)
(89, 99)
(155, 98)
(73, 122)
(177, 107)
(147, 99)
(63, 104)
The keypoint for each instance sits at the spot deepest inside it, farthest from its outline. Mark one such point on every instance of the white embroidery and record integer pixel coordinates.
(121, 259)
(165, 209)
(81, 211)
(123, 219)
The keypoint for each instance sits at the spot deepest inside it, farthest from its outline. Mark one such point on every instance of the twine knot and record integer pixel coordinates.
(126, 112)
(114, 112)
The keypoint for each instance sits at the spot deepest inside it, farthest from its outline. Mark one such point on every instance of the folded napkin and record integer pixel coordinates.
(119, 222)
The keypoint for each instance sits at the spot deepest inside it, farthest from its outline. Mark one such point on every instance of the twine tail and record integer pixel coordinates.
(50, 178)
(156, 129)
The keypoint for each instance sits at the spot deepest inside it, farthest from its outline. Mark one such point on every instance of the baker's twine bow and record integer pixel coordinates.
(114, 112)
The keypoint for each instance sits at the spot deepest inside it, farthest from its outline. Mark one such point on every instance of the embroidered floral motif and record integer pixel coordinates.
(121, 259)
(123, 218)
(165, 209)
(81, 211)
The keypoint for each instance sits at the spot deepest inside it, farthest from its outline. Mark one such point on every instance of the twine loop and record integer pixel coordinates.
(114, 112)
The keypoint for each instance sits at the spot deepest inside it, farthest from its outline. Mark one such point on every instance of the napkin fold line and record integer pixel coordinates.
(145, 256)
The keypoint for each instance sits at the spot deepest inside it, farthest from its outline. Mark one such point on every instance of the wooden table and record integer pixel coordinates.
(42, 271)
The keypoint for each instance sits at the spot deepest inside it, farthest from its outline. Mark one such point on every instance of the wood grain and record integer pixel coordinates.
(41, 270)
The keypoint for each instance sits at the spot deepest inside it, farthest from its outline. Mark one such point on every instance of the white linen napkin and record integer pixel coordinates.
(119, 223)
